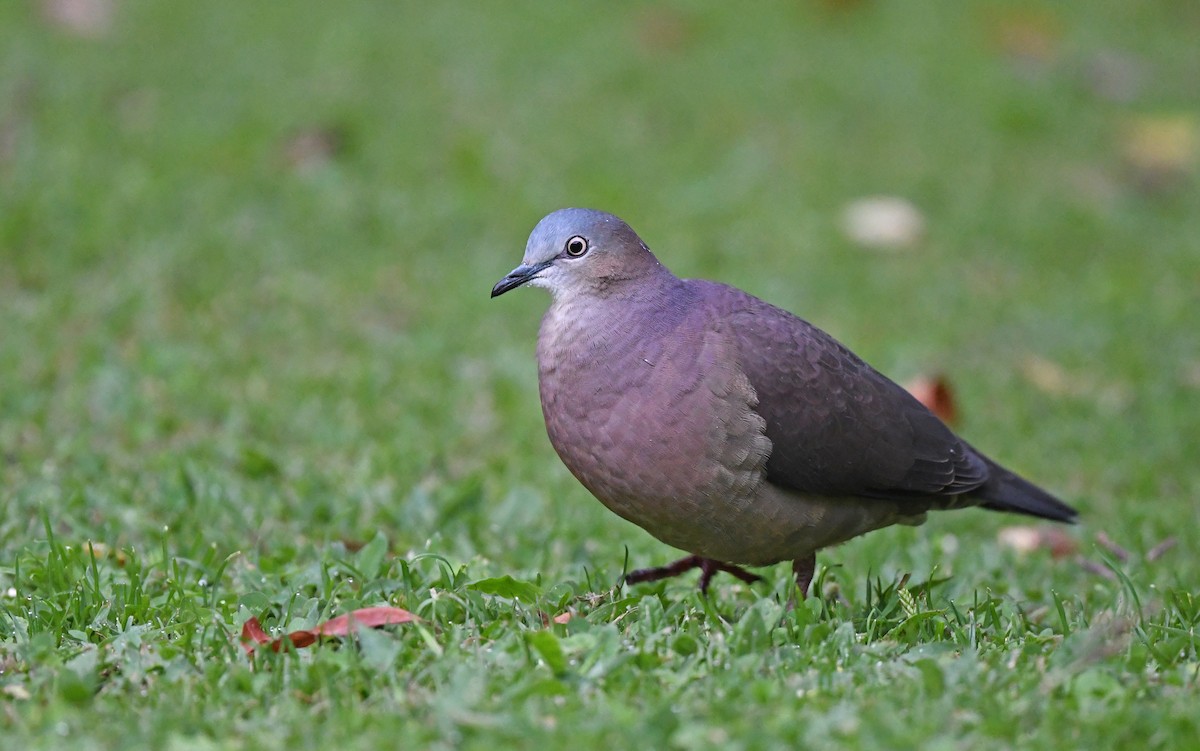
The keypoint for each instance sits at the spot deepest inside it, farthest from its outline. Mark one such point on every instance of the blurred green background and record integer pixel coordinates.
(245, 255)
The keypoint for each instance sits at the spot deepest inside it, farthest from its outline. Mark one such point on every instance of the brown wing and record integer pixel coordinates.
(838, 426)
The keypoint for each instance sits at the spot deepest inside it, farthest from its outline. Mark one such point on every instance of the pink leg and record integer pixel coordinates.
(804, 568)
(708, 568)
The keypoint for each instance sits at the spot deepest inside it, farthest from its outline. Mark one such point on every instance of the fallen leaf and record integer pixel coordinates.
(313, 147)
(253, 634)
(1048, 377)
(100, 551)
(85, 18)
(1025, 539)
(935, 393)
(1054, 380)
(1160, 150)
(95, 549)
(1030, 39)
(883, 222)
(16, 691)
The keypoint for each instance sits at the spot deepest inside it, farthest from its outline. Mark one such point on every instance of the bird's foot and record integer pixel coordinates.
(708, 568)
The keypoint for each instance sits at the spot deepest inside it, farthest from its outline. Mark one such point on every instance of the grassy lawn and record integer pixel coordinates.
(249, 368)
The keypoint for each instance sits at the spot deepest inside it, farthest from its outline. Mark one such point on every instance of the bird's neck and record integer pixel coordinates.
(598, 324)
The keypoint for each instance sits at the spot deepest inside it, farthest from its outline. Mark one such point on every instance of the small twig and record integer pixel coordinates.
(1159, 550)
(1098, 569)
(1118, 552)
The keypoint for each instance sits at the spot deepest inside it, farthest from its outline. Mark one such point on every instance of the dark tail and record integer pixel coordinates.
(1007, 491)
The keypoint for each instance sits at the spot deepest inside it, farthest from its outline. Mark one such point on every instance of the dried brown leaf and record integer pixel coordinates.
(254, 636)
(100, 551)
(16, 691)
(1048, 377)
(1160, 150)
(313, 147)
(252, 633)
(1024, 539)
(96, 550)
(85, 18)
(1054, 380)
(1027, 37)
(937, 396)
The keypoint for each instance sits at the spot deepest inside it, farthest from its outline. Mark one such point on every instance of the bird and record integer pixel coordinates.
(725, 426)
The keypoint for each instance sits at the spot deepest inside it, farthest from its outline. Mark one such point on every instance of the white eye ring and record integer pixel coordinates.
(576, 246)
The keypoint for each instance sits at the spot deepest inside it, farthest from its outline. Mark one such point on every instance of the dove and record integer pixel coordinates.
(727, 427)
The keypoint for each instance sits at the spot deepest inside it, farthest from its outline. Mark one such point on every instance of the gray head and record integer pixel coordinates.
(577, 251)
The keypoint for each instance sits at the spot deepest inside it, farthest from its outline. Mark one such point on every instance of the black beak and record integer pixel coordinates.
(517, 277)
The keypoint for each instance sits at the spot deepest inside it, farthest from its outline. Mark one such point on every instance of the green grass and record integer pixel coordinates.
(221, 374)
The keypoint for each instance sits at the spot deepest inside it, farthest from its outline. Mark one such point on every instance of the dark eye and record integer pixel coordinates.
(576, 246)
